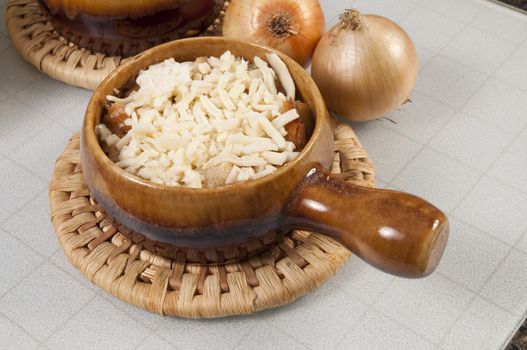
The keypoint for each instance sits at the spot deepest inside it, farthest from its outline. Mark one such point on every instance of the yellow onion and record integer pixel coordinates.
(291, 26)
(365, 66)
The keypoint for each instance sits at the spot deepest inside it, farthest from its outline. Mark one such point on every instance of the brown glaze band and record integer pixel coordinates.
(205, 237)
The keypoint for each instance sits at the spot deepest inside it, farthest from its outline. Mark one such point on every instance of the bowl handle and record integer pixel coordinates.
(396, 232)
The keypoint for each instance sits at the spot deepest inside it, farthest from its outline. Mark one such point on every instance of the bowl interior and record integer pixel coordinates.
(189, 50)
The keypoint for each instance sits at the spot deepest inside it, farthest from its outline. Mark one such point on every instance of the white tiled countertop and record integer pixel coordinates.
(462, 144)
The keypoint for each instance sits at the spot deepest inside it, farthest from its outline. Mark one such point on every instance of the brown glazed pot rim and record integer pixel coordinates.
(112, 8)
(94, 146)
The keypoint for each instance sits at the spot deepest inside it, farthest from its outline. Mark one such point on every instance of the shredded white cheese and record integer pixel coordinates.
(206, 123)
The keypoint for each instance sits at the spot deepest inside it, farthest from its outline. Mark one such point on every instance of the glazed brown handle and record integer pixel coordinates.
(396, 232)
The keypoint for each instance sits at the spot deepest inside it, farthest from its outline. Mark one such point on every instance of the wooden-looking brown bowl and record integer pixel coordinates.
(396, 232)
(125, 28)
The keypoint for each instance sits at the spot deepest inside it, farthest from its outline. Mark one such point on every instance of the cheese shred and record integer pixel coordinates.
(212, 122)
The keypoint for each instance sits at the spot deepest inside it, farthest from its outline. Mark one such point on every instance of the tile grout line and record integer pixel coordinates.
(21, 328)
(293, 337)
(20, 282)
(473, 294)
(298, 340)
(40, 75)
(460, 108)
(30, 137)
(468, 22)
(506, 148)
(153, 333)
(376, 308)
(48, 260)
(71, 110)
(446, 155)
(375, 300)
(454, 323)
(42, 256)
(511, 12)
(442, 54)
(354, 325)
(457, 110)
(69, 318)
(115, 301)
(483, 172)
(23, 206)
(236, 345)
(478, 293)
(434, 54)
(384, 121)
(233, 347)
(408, 15)
(487, 234)
(488, 75)
(17, 210)
(372, 307)
(492, 74)
(500, 264)
(378, 122)
(96, 290)
(464, 25)
(357, 322)
(501, 80)
(50, 121)
(457, 206)
(8, 155)
(487, 122)
(34, 268)
(421, 150)
(142, 341)
(45, 258)
(22, 101)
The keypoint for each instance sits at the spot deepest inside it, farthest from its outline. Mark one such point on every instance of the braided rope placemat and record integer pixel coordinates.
(130, 271)
(35, 38)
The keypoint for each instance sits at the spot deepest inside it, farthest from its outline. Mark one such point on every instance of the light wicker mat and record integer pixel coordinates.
(134, 272)
(36, 40)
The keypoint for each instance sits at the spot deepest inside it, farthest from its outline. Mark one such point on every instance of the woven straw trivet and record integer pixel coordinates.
(37, 41)
(129, 271)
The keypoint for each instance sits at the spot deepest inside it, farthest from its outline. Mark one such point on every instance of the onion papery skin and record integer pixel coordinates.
(248, 20)
(367, 72)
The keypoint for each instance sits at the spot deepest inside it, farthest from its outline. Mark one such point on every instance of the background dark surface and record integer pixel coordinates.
(521, 4)
(519, 342)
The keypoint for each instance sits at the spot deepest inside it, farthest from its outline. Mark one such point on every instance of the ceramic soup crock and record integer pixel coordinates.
(127, 27)
(393, 231)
